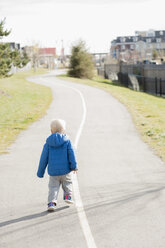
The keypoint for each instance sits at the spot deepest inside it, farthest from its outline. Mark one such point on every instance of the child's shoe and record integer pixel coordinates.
(51, 206)
(68, 199)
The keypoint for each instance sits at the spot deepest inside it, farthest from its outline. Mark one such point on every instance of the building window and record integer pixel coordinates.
(148, 40)
(135, 39)
(114, 53)
(161, 32)
(123, 47)
(132, 46)
(151, 34)
(158, 40)
(122, 39)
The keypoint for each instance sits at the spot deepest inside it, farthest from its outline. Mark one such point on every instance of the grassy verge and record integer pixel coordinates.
(148, 112)
(21, 103)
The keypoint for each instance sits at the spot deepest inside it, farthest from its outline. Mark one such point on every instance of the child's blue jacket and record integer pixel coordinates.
(58, 154)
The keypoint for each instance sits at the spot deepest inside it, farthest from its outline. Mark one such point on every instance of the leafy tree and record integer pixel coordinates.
(5, 52)
(19, 59)
(5, 60)
(81, 64)
(25, 59)
(2, 31)
(9, 57)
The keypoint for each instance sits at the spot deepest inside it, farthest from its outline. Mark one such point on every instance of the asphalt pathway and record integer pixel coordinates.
(120, 180)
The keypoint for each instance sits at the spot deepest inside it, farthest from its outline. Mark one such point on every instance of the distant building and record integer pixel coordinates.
(47, 57)
(47, 51)
(14, 46)
(139, 47)
(99, 59)
(44, 57)
(30, 50)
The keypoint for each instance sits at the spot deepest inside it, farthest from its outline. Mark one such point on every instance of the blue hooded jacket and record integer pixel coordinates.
(58, 154)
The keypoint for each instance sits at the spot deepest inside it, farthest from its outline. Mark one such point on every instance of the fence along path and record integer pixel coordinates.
(150, 78)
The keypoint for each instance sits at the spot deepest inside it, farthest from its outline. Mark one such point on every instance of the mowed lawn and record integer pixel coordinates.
(21, 103)
(148, 111)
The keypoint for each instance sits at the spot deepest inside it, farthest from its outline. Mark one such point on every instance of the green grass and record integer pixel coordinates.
(21, 103)
(148, 111)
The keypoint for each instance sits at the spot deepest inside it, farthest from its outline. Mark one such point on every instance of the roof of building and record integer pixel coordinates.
(47, 51)
(132, 39)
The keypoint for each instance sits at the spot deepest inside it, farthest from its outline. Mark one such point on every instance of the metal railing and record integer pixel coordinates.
(155, 86)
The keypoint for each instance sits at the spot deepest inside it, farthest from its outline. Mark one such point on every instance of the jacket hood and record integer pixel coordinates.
(56, 139)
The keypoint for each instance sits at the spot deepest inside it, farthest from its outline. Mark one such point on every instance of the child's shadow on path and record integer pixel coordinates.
(30, 217)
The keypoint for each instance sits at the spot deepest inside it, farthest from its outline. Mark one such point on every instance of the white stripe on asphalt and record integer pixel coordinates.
(79, 204)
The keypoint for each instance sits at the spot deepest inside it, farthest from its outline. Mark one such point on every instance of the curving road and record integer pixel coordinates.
(119, 192)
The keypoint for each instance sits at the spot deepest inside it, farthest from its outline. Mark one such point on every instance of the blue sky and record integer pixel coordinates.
(98, 22)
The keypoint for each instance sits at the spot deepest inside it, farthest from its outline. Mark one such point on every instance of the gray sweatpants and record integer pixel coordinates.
(54, 186)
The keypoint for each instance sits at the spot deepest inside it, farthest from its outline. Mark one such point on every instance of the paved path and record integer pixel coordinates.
(121, 181)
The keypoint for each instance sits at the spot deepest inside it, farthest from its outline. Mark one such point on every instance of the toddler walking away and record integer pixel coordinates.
(59, 155)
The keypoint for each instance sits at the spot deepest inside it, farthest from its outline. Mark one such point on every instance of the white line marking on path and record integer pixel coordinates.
(79, 204)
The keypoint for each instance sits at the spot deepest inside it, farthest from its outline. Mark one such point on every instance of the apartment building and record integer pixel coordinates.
(144, 45)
